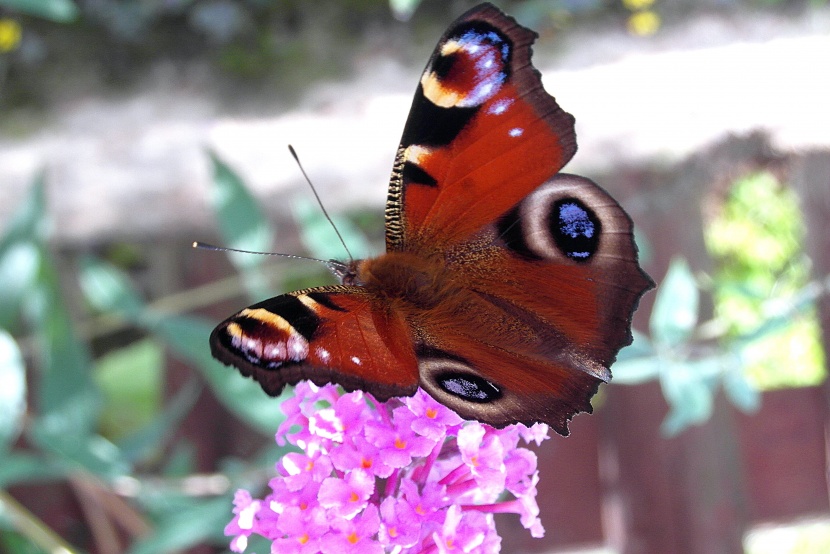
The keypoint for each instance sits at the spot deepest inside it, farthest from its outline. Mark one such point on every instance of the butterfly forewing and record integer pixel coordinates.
(482, 133)
(328, 334)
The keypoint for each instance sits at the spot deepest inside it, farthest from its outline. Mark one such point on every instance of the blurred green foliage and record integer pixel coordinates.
(764, 334)
(761, 271)
(689, 373)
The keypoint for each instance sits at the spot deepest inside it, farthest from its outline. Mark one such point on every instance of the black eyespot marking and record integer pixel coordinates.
(412, 173)
(325, 300)
(443, 65)
(291, 309)
(510, 230)
(469, 387)
(479, 38)
(575, 228)
(434, 126)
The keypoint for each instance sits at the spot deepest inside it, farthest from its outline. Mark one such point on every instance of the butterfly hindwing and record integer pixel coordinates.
(549, 290)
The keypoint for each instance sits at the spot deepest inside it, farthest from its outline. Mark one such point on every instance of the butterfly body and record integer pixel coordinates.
(506, 288)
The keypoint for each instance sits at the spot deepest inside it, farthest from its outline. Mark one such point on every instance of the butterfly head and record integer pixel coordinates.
(345, 272)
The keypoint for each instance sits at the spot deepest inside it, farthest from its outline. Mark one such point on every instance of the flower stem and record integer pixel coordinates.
(30, 526)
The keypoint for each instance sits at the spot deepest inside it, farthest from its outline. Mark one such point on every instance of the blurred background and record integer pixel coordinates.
(131, 128)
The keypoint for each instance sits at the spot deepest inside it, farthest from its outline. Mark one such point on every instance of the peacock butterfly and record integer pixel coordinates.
(506, 289)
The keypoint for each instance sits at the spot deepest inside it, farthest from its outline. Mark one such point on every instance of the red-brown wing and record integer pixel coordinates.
(482, 134)
(328, 334)
(548, 293)
(566, 254)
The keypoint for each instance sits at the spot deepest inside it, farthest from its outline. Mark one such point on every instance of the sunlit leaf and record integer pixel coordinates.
(12, 391)
(674, 316)
(60, 11)
(763, 298)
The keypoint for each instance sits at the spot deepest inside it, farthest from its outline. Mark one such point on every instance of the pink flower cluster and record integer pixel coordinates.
(404, 476)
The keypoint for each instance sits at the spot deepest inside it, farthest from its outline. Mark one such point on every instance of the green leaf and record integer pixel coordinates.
(68, 399)
(94, 453)
(187, 526)
(19, 264)
(320, 238)
(148, 440)
(60, 11)
(28, 223)
(109, 290)
(640, 346)
(188, 337)
(181, 462)
(131, 381)
(740, 391)
(12, 390)
(14, 541)
(633, 371)
(686, 386)
(645, 252)
(17, 467)
(241, 223)
(403, 9)
(70, 402)
(19, 251)
(674, 316)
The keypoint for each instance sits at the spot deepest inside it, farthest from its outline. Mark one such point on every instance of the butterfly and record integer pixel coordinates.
(506, 289)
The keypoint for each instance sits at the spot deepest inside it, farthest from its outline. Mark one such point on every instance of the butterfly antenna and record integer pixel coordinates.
(206, 246)
(319, 201)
